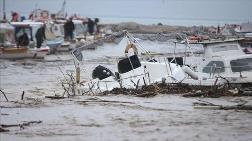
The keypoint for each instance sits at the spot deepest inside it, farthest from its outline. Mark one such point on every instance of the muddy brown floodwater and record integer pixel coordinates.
(110, 117)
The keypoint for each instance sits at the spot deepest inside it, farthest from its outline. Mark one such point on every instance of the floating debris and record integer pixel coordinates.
(4, 130)
(22, 125)
(55, 97)
(184, 89)
(207, 105)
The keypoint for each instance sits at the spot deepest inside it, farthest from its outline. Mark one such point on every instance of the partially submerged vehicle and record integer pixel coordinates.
(18, 42)
(222, 62)
(130, 73)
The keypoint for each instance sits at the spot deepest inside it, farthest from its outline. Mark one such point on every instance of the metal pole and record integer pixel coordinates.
(4, 13)
(78, 75)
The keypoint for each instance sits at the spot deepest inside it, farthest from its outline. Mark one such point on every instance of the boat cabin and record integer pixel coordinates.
(227, 59)
(234, 64)
(224, 55)
(224, 59)
(7, 35)
(222, 48)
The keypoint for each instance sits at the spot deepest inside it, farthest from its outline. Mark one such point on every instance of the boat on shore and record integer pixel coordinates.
(13, 45)
(52, 40)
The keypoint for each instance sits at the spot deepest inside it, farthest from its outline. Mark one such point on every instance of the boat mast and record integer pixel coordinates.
(62, 12)
(4, 13)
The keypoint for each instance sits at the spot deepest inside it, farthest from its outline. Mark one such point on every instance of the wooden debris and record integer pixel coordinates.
(220, 107)
(22, 96)
(4, 95)
(103, 101)
(146, 94)
(208, 105)
(246, 93)
(4, 130)
(237, 107)
(184, 89)
(55, 97)
(19, 125)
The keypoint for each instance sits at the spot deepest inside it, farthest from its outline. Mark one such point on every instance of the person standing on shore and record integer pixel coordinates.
(218, 29)
(40, 36)
(97, 28)
(90, 26)
(69, 29)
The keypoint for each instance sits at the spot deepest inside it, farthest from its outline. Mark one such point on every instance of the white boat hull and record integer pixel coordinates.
(148, 73)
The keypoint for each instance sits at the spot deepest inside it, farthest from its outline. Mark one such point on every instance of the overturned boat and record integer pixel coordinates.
(130, 73)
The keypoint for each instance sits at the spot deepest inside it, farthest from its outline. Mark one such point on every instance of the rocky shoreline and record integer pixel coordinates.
(133, 27)
(161, 32)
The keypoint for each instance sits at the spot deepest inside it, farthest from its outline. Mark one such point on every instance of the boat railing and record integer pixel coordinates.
(91, 85)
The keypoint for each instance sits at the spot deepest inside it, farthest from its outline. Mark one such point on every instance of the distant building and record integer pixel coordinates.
(246, 28)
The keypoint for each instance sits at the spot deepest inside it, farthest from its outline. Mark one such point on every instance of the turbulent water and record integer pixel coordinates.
(163, 117)
(173, 12)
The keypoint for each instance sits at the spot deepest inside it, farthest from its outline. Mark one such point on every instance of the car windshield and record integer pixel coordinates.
(240, 65)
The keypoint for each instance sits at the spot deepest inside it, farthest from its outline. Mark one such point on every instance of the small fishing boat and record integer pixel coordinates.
(131, 72)
(53, 41)
(16, 49)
